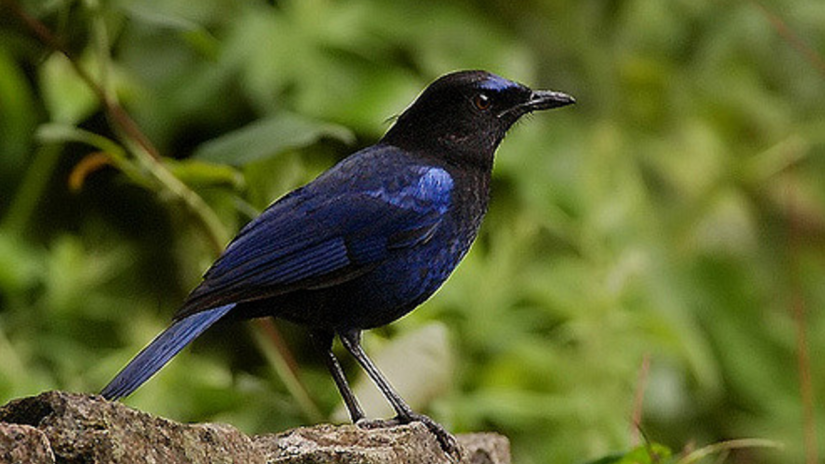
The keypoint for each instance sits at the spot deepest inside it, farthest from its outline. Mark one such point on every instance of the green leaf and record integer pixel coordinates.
(18, 114)
(269, 137)
(67, 98)
(20, 264)
(61, 133)
(651, 453)
(198, 172)
(725, 446)
(163, 16)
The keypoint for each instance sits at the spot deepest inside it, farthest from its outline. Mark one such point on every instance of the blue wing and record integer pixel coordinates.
(334, 229)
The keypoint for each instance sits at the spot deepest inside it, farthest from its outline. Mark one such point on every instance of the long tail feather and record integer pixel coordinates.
(161, 350)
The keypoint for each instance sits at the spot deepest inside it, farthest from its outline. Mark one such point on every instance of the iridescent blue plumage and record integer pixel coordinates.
(498, 83)
(332, 231)
(163, 348)
(368, 240)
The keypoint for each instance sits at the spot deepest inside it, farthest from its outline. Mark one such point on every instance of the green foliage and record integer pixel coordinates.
(675, 215)
(269, 137)
(647, 454)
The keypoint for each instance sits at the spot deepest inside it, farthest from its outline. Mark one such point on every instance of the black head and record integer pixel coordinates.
(468, 113)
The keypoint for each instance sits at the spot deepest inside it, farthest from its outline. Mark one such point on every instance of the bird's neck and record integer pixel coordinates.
(450, 150)
(458, 144)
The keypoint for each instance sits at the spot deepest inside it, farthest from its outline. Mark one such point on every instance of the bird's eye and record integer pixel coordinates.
(482, 101)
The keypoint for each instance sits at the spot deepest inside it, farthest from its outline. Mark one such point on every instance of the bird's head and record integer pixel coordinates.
(468, 113)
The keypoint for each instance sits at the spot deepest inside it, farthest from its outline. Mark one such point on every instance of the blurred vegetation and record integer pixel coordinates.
(655, 253)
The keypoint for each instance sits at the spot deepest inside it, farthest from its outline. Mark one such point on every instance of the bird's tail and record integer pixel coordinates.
(161, 350)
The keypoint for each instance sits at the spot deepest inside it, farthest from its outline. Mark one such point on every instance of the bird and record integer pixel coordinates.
(365, 242)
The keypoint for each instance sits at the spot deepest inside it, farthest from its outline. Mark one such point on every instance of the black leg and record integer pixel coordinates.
(323, 341)
(405, 414)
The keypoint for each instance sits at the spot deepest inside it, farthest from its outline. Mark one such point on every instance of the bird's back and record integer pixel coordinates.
(358, 247)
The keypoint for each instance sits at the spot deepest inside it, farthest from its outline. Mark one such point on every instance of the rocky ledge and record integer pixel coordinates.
(74, 428)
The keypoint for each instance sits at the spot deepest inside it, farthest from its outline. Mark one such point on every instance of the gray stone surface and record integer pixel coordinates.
(75, 428)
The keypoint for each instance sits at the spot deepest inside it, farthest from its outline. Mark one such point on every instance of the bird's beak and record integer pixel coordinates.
(547, 99)
(539, 100)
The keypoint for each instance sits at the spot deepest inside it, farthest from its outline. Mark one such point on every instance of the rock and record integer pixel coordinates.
(76, 428)
(24, 443)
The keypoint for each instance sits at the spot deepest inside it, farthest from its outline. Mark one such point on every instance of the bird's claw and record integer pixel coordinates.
(447, 441)
(371, 424)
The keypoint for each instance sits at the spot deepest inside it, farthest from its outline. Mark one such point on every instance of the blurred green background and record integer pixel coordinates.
(656, 252)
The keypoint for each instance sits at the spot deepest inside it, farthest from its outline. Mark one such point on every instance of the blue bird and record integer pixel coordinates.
(365, 242)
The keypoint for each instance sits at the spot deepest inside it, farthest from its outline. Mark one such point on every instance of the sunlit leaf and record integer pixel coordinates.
(67, 98)
(198, 172)
(269, 137)
(61, 133)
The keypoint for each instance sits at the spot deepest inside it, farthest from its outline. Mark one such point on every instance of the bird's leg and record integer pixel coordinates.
(323, 341)
(404, 414)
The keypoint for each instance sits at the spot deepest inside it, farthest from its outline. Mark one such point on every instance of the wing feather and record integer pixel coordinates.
(306, 238)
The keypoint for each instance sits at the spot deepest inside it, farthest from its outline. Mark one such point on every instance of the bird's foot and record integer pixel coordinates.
(445, 439)
(370, 424)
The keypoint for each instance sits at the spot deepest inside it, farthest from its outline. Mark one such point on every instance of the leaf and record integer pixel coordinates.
(67, 98)
(18, 114)
(61, 133)
(20, 264)
(269, 137)
(198, 172)
(728, 445)
(161, 16)
(651, 453)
